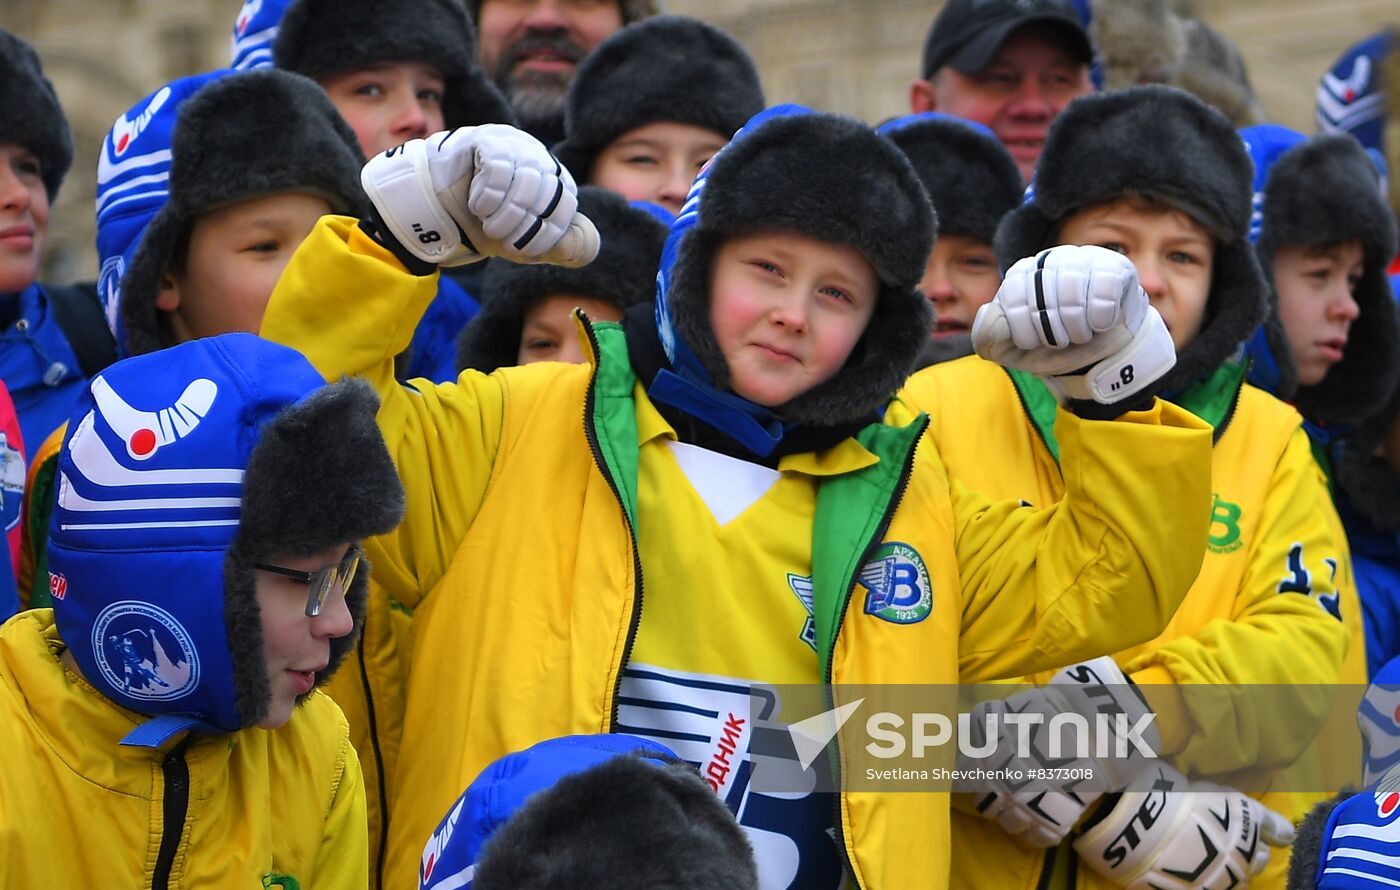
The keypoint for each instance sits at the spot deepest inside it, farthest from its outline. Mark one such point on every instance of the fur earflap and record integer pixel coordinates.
(249, 134)
(1308, 842)
(30, 114)
(623, 273)
(1162, 143)
(969, 175)
(836, 180)
(1390, 84)
(320, 475)
(625, 824)
(632, 10)
(1320, 192)
(650, 72)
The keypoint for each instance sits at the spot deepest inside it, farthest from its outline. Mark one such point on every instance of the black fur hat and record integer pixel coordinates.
(625, 824)
(1320, 192)
(248, 134)
(667, 68)
(968, 174)
(320, 37)
(1307, 844)
(832, 178)
(319, 475)
(29, 111)
(623, 273)
(632, 10)
(1371, 485)
(1165, 144)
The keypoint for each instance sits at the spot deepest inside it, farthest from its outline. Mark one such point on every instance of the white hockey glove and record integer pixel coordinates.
(473, 192)
(1181, 835)
(1076, 316)
(1041, 788)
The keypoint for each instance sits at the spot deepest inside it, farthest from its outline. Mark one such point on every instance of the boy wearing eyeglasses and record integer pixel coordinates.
(206, 579)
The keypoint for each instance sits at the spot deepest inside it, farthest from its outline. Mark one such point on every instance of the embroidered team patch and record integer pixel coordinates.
(898, 584)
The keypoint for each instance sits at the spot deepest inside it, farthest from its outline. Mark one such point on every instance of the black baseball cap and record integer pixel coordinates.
(967, 33)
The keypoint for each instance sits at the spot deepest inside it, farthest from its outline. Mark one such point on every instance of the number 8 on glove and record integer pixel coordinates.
(1076, 316)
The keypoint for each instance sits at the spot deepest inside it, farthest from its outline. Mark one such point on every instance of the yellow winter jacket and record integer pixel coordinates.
(368, 687)
(1269, 521)
(282, 809)
(518, 554)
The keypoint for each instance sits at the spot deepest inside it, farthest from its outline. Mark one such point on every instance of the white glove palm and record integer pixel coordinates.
(1052, 793)
(474, 192)
(1182, 835)
(1076, 316)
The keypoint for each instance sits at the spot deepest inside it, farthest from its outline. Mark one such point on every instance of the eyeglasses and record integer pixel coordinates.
(322, 581)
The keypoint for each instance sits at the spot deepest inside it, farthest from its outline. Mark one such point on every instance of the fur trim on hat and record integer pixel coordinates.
(653, 71)
(632, 10)
(249, 134)
(624, 824)
(834, 179)
(1162, 143)
(319, 476)
(1308, 842)
(623, 273)
(1213, 70)
(1149, 41)
(1320, 192)
(319, 37)
(1138, 41)
(30, 114)
(970, 177)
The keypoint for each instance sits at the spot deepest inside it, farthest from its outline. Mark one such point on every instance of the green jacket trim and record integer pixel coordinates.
(1213, 400)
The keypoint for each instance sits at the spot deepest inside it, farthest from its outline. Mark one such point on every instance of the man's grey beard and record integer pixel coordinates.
(538, 101)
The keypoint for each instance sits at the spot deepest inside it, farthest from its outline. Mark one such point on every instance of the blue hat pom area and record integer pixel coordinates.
(149, 498)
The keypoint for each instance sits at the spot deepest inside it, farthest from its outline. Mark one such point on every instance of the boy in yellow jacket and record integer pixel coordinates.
(161, 724)
(1163, 179)
(630, 544)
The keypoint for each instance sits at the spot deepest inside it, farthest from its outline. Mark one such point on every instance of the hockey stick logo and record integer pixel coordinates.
(146, 432)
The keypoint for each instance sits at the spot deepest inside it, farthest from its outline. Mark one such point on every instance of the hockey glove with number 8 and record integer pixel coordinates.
(1076, 316)
(461, 195)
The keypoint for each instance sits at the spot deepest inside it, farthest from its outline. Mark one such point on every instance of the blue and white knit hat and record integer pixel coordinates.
(133, 184)
(1351, 96)
(177, 474)
(254, 32)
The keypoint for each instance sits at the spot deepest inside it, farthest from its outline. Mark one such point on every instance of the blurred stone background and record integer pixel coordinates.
(852, 56)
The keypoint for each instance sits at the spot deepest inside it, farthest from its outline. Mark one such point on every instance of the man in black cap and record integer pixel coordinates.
(1011, 65)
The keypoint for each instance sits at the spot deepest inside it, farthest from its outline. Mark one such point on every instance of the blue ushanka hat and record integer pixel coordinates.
(254, 33)
(569, 810)
(181, 469)
(776, 173)
(133, 184)
(199, 143)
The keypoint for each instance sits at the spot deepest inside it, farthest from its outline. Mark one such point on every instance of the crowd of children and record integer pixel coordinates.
(398, 451)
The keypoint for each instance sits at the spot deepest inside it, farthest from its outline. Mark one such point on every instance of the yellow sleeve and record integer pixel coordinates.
(1280, 652)
(1102, 569)
(349, 306)
(342, 862)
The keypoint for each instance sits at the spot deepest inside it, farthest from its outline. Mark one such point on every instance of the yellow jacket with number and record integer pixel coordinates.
(1264, 609)
(255, 808)
(518, 551)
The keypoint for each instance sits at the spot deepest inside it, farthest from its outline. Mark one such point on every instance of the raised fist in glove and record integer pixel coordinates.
(1175, 834)
(1042, 778)
(1076, 316)
(461, 195)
